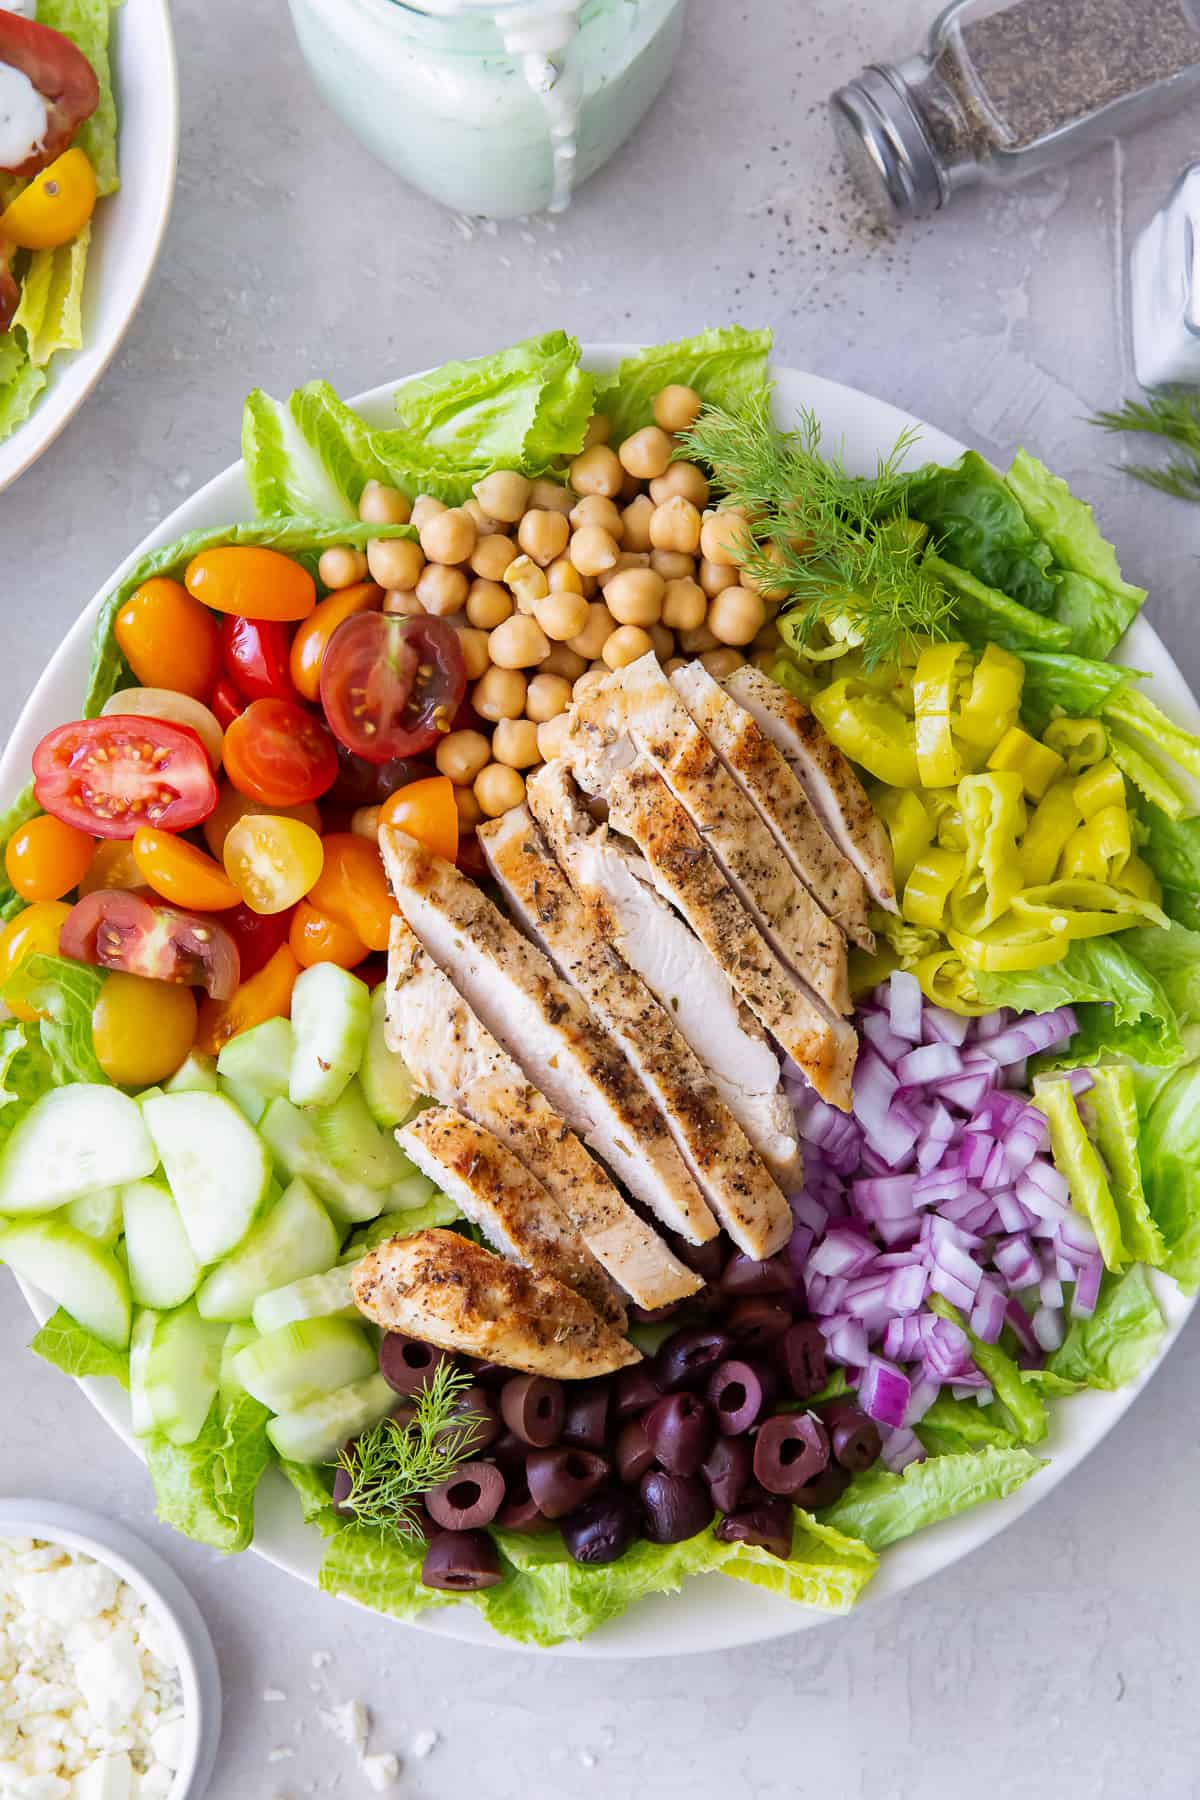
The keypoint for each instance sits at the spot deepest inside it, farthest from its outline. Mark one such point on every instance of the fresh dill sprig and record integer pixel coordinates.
(841, 548)
(1174, 415)
(392, 1465)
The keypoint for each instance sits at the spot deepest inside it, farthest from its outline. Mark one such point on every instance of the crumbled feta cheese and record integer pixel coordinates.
(155, 1784)
(381, 1770)
(167, 1742)
(110, 1679)
(109, 1778)
(349, 1721)
(424, 1743)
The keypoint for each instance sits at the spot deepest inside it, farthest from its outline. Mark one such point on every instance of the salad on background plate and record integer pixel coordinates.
(618, 1002)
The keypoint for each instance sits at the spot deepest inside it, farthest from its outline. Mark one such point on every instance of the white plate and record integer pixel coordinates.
(711, 1613)
(127, 228)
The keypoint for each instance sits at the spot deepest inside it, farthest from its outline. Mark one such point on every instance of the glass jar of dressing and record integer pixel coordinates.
(500, 107)
(1002, 92)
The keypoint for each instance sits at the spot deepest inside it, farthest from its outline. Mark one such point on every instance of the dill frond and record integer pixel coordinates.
(1173, 415)
(392, 1465)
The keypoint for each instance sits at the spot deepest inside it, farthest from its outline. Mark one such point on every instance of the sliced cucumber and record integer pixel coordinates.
(83, 1277)
(437, 1210)
(387, 1085)
(296, 1237)
(150, 1093)
(356, 1146)
(316, 1432)
(196, 1074)
(331, 1012)
(97, 1215)
(299, 1362)
(291, 1136)
(312, 1297)
(249, 1102)
(145, 1324)
(260, 1059)
(414, 1191)
(180, 1373)
(71, 1141)
(163, 1271)
(217, 1166)
(236, 1338)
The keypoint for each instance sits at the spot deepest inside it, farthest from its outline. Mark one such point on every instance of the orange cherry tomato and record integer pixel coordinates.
(181, 873)
(45, 859)
(426, 811)
(55, 206)
(252, 581)
(272, 861)
(267, 995)
(232, 806)
(168, 639)
(112, 867)
(315, 938)
(353, 889)
(32, 932)
(312, 636)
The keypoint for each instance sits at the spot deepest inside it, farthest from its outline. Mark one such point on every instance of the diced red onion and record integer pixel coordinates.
(1043, 1190)
(883, 1392)
(841, 1252)
(900, 1448)
(1035, 1032)
(1018, 1323)
(906, 1288)
(846, 1340)
(906, 1006)
(883, 1197)
(898, 1231)
(924, 1392)
(1079, 1081)
(964, 1091)
(1087, 1288)
(942, 1027)
(878, 1033)
(928, 1063)
(1048, 1327)
(992, 1024)
(1015, 1259)
(987, 1315)
(809, 1212)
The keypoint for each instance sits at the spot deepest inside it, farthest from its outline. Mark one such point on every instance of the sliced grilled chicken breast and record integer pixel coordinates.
(454, 1057)
(450, 1292)
(515, 1212)
(545, 1026)
(837, 794)
(762, 772)
(617, 887)
(729, 1172)
(641, 806)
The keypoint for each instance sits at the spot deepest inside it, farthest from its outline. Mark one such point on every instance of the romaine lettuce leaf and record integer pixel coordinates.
(1170, 1159)
(1110, 1111)
(87, 24)
(1121, 1007)
(1138, 713)
(1173, 958)
(20, 384)
(380, 1572)
(1103, 605)
(314, 1488)
(50, 316)
(26, 1072)
(1172, 849)
(976, 523)
(881, 1508)
(1144, 770)
(1026, 1411)
(78, 1352)
(1119, 1340)
(206, 1489)
(1058, 683)
(284, 471)
(726, 366)
(65, 993)
(984, 615)
(952, 1427)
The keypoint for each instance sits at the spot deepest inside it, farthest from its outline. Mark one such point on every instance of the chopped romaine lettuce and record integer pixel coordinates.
(1110, 1111)
(976, 523)
(1170, 1159)
(985, 615)
(206, 1489)
(26, 1072)
(50, 316)
(1138, 765)
(1112, 1347)
(952, 1427)
(1121, 1007)
(77, 1351)
(87, 24)
(21, 381)
(1172, 849)
(1104, 603)
(726, 366)
(881, 1508)
(1026, 1411)
(1173, 958)
(1058, 683)
(65, 994)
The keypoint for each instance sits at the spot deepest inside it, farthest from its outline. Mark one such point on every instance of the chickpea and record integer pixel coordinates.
(492, 554)
(564, 577)
(721, 663)
(545, 698)
(425, 507)
(673, 565)
(599, 430)
(635, 522)
(724, 536)
(499, 694)
(592, 550)
(442, 590)
(626, 645)
(595, 509)
(631, 488)
(647, 453)
(518, 643)
(684, 605)
(485, 525)
(628, 559)
(470, 813)
(561, 616)
(736, 616)
(395, 562)
(715, 577)
(461, 755)
(553, 735)
(402, 603)
(551, 496)
(776, 593)
(527, 582)
(591, 640)
(488, 604)
(764, 660)
(675, 525)
(448, 537)
(504, 494)
(380, 505)
(768, 637)
(696, 640)
(635, 597)
(498, 789)
(341, 567)
(676, 408)
(543, 535)
(682, 479)
(597, 471)
(515, 743)
(674, 662)
(590, 680)
(663, 641)
(563, 661)
(365, 823)
(474, 647)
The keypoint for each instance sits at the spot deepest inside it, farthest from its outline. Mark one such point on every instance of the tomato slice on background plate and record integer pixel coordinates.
(391, 686)
(256, 654)
(109, 775)
(279, 754)
(62, 75)
(114, 930)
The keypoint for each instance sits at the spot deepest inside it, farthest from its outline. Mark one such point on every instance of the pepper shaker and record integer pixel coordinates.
(1001, 94)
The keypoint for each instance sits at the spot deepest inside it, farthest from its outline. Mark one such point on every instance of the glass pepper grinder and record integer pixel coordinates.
(1002, 92)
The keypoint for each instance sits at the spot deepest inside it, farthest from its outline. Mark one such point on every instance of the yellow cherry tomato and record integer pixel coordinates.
(112, 867)
(55, 206)
(272, 861)
(142, 1029)
(45, 858)
(181, 873)
(232, 806)
(253, 582)
(315, 938)
(267, 995)
(33, 932)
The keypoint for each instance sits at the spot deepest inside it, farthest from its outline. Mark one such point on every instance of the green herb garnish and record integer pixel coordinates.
(1173, 415)
(392, 1465)
(842, 549)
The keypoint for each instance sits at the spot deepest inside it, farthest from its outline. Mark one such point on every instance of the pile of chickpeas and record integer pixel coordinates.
(551, 587)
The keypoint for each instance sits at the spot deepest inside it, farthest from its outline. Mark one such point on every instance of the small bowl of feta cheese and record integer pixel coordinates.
(109, 1688)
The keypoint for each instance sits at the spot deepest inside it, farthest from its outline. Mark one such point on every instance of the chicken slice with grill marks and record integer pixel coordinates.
(729, 1172)
(444, 1289)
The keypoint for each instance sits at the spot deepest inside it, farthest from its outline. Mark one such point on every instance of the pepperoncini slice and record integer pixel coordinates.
(1083, 909)
(926, 897)
(871, 732)
(938, 759)
(909, 825)
(992, 700)
(993, 810)
(1103, 785)
(1080, 742)
(1054, 819)
(1037, 765)
(1007, 948)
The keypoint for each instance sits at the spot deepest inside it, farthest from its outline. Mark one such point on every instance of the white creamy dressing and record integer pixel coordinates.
(22, 116)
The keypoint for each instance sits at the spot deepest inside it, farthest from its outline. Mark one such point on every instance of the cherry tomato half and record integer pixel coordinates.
(45, 859)
(257, 936)
(316, 938)
(353, 889)
(426, 811)
(63, 77)
(108, 776)
(272, 861)
(112, 867)
(279, 754)
(232, 806)
(251, 581)
(168, 639)
(115, 930)
(175, 708)
(313, 634)
(390, 686)
(181, 873)
(255, 653)
(141, 1029)
(226, 702)
(35, 931)
(267, 995)
(55, 206)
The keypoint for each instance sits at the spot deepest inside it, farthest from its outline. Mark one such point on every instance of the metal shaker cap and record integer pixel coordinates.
(886, 150)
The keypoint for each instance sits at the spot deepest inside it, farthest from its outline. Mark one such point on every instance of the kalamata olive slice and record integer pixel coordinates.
(757, 1324)
(602, 1529)
(728, 1469)
(686, 1357)
(521, 1511)
(469, 1500)
(674, 1507)
(533, 1407)
(407, 1364)
(561, 1480)
(509, 1451)
(739, 1394)
(653, 1315)
(823, 1489)
(341, 1490)
(790, 1449)
(853, 1437)
(461, 1562)
(707, 1260)
(803, 1360)
(585, 1423)
(681, 1429)
(634, 1391)
(487, 1374)
(475, 1418)
(744, 1275)
(769, 1525)
(635, 1452)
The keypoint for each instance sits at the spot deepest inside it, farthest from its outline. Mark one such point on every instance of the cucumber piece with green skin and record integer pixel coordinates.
(295, 1237)
(181, 1373)
(237, 1337)
(316, 1432)
(196, 1074)
(298, 1363)
(387, 1085)
(291, 1136)
(354, 1143)
(145, 1324)
(331, 1012)
(163, 1271)
(260, 1059)
(97, 1215)
(217, 1166)
(79, 1274)
(312, 1297)
(73, 1140)
(416, 1190)
(249, 1102)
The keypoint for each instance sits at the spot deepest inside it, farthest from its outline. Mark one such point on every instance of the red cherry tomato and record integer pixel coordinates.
(279, 754)
(109, 775)
(255, 653)
(62, 75)
(390, 686)
(257, 935)
(226, 702)
(362, 783)
(115, 930)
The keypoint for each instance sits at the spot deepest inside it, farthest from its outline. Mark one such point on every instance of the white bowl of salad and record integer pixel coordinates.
(234, 1174)
(91, 140)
